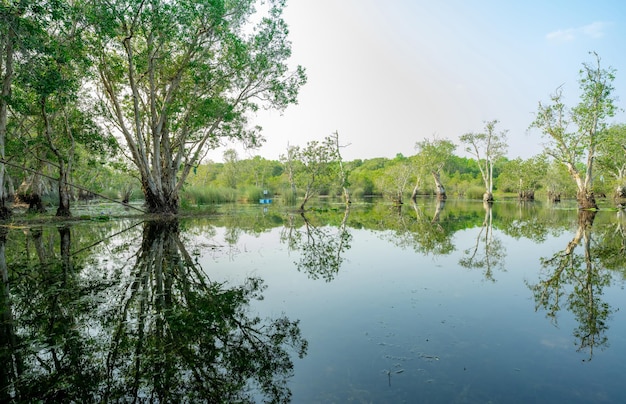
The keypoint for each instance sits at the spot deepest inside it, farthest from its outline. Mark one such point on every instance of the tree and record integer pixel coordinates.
(612, 157)
(343, 172)
(313, 167)
(230, 170)
(558, 182)
(50, 116)
(16, 29)
(524, 176)
(395, 178)
(578, 147)
(433, 154)
(178, 76)
(486, 147)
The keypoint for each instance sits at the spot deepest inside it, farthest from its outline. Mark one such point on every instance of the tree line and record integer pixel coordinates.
(398, 179)
(96, 92)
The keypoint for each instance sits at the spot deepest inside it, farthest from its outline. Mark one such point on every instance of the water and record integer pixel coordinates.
(517, 303)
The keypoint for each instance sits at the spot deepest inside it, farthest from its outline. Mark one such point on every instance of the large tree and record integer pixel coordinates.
(50, 82)
(16, 29)
(180, 75)
(486, 147)
(574, 133)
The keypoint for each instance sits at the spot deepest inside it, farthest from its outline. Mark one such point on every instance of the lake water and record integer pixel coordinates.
(428, 303)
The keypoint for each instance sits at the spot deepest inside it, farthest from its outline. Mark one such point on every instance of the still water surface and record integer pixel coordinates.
(455, 303)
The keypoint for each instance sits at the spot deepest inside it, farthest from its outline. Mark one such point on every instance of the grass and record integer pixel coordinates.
(474, 192)
(207, 195)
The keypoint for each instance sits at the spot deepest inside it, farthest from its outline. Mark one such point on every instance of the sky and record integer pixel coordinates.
(387, 74)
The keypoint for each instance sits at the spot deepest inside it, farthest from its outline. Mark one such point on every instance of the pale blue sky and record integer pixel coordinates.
(386, 74)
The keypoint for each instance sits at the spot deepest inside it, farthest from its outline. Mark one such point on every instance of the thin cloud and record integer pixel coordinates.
(594, 30)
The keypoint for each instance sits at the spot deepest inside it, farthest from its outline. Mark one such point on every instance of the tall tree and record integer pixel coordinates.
(577, 147)
(180, 75)
(15, 31)
(52, 112)
(230, 170)
(486, 147)
(343, 171)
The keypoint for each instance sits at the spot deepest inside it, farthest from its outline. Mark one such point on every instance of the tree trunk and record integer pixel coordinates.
(488, 197)
(527, 195)
(398, 199)
(10, 196)
(415, 189)
(64, 193)
(554, 196)
(346, 196)
(586, 200)
(158, 201)
(30, 191)
(5, 93)
(440, 190)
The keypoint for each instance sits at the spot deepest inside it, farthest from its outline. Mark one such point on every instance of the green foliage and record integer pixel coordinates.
(523, 175)
(433, 155)
(313, 168)
(611, 160)
(574, 134)
(195, 70)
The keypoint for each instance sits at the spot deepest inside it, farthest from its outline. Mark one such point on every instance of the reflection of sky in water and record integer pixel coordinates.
(398, 326)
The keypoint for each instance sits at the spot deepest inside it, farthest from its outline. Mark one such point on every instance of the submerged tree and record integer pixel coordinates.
(524, 176)
(16, 30)
(578, 147)
(486, 147)
(395, 178)
(178, 76)
(432, 156)
(313, 168)
(343, 172)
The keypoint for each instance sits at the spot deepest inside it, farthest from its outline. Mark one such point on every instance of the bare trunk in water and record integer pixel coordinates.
(439, 188)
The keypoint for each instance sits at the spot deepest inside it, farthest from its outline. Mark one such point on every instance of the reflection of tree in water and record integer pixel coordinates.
(488, 253)
(320, 247)
(422, 233)
(612, 250)
(528, 219)
(576, 279)
(164, 333)
(48, 355)
(430, 237)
